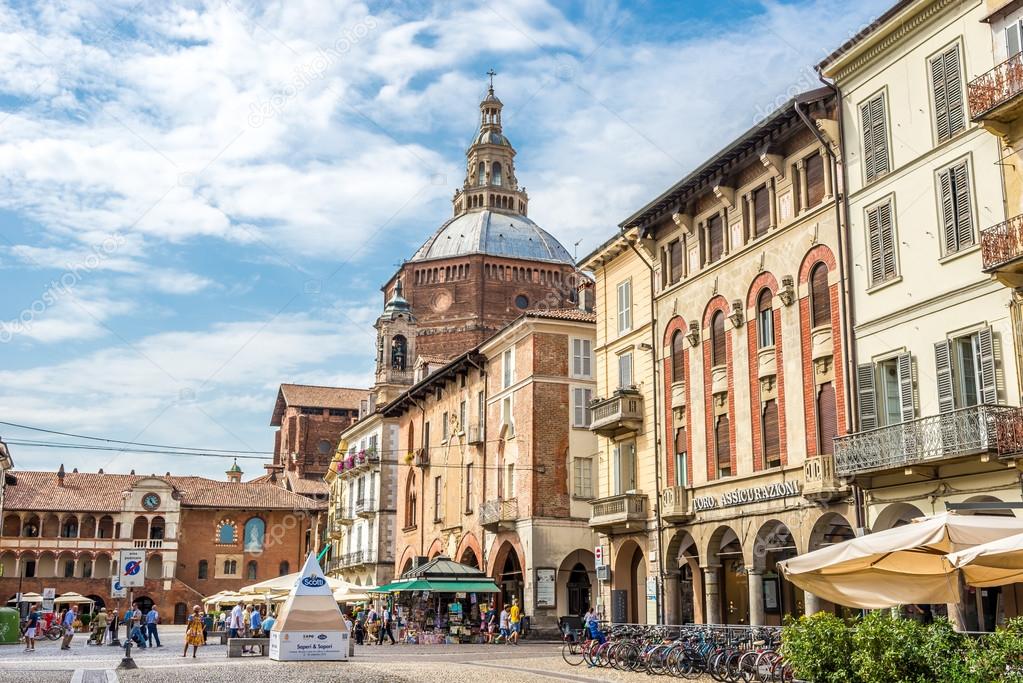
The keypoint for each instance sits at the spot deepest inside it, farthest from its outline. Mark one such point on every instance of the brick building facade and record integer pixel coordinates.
(65, 530)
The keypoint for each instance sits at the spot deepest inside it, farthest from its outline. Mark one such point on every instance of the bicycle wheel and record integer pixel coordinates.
(746, 667)
(572, 653)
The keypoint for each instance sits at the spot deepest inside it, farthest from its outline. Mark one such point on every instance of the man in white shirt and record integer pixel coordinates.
(236, 622)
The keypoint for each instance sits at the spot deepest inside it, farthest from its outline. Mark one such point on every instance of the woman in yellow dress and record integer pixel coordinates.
(193, 634)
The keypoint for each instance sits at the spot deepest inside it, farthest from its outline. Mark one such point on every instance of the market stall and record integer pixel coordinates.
(440, 602)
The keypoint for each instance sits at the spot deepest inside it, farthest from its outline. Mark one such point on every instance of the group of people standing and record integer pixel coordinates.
(504, 626)
(371, 622)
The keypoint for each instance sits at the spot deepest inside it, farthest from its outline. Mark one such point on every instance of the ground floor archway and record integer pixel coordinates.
(628, 580)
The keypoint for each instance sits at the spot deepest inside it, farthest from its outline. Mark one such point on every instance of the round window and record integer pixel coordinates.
(522, 301)
(323, 447)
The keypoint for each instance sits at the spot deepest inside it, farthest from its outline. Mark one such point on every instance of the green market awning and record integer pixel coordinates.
(440, 586)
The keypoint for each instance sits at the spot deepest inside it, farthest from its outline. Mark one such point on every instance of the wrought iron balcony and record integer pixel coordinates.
(621, 413)
(819, 479)
(1001, 247)
(619, 513)
(365, 507)
(994, 94)
(675, 504)
(499, 514)
(474, 433)
(963, 432)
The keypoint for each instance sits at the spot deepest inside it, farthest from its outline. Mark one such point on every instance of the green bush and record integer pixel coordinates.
(951, 656)
(819, 648)
(888, 649)
(86, 619)
(999, 655)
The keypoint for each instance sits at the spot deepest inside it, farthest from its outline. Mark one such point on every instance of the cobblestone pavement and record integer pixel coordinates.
(400, 663)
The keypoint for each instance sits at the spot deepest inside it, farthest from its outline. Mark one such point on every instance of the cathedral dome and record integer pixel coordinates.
(491, 137)
(496, 234)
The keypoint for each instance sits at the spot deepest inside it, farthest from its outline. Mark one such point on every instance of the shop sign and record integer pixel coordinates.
(545, 587)
(753, 494)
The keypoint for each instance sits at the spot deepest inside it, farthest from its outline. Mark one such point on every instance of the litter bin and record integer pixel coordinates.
(10, 626)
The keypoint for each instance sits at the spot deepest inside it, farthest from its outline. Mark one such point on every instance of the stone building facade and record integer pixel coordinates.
(65, 530)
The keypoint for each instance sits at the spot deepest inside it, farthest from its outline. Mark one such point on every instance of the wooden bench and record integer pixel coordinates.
(235, 645)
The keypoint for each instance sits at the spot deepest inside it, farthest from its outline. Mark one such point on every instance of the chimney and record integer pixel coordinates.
(101, 470)
(60, 475)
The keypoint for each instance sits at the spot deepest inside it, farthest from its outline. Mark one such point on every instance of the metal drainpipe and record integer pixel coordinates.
(657, 436)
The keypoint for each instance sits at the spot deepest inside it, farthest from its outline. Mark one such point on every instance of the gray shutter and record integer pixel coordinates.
(879, 135)
(867, 396)
(943, 370)
(906, 402)
(954, 92)
(876, 250)
(887, 232)
(868, 147)
(947, 211)
(988, 387)
(964, 209)
(940, 96)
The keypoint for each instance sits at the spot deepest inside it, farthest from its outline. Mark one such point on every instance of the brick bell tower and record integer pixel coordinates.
(396, 347)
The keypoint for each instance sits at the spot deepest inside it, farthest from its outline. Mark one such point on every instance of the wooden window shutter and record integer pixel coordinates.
(867, 396)
(772, 441)
(943, 372)
(949, 112)
(814, 166)
(907, 404)
(988, 386)
(948, 218)
(881, 238)
(761, 211)
(827, 418)
(874, 242)
(717, 338)
(875, 138)
(721, 444)
(717, 237)
(820, 296)
(940, 98)
(678, 355)
(964, 210)
(677, 260)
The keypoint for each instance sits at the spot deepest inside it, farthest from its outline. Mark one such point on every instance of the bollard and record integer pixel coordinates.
(127, 662)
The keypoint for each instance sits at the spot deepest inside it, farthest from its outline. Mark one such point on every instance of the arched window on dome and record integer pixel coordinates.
(495, 172)
(399, 352)
(481, 173)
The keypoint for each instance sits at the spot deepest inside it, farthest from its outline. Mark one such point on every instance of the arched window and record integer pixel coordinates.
(283, 569)
(678, 354)
(204, 569)
(250, 570)
(820, 297)
(226, 533)
(717, 339)
(765, 319)
(399, 352)
(481, 173)
(410, 501)
(255, 529)
(230, 567)
(495, 173)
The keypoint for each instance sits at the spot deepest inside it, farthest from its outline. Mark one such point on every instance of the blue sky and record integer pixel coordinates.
(199, 201)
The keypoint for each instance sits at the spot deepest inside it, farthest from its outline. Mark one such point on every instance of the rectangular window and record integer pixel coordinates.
(827, 418)
(462, 413)
(311, 411)
(426, 437)
(956, 212)
(681, 458)
(966, 363)
(881, 241)
(507, 416)
(337, 412)
(468, 487)
(509, 481)
(874, 122)
(481, 409)
(716, 236)
(813, 166)
(69, 569)
(771, 434)
(677, 259)
(1012, 39)
(722, 446)
(625, 370)
(765, 324)
(761, 211)
(624, 306)
(581, 407)
(582, 350)
(624, 467)
(947, 88)
(583, 475)
(507, 368)
(437, 516)
(444, 427)
(373, 443)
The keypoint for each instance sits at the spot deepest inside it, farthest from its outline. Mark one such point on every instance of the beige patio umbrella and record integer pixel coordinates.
(29, 597)
(900, 566)
(224, 598)
(73, 598)
(991, 564)
(354, 594)
(284, 584)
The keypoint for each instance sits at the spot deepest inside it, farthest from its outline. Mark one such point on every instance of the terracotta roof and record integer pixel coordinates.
(311, 396)
(433, 358)
(564, 314)
(89, 492)
(307, 487)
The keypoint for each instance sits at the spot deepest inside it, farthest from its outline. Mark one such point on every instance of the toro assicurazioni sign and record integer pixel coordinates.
(752, 494)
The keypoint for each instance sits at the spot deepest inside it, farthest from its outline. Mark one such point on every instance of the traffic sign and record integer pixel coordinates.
(133, 568)
(117, 590)
(598, 556)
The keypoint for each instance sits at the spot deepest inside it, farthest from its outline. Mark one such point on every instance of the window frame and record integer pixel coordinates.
(718, 336)
(814, 295)
(582, 478)
(960, 84)
(949, 171)
(881, 277)
(508, 367)
(581, 397)
(582, 357)
(678, 357)
(625, 304)
(866, 127)
(626, 360)
(765, 320)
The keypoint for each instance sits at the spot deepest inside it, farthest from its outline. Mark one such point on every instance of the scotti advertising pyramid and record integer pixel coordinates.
(309, 625)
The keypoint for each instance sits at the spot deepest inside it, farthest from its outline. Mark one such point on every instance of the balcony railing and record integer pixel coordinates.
(474, 433)
(365, 507)
(622, 412)
(966, 431)
(1001, 244)
(395, 376)
(626, 510)
(996, 87)
(149, 543)
(675, 504)
(497, 513)
(820, 482)
(421, 457)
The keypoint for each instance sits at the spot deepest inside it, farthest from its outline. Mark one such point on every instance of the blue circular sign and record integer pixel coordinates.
(132, 568)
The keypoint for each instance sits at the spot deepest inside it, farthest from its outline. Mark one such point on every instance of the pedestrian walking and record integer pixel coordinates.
(69, 630)
(207, 626)
(386, 627)
(152, 619)
(515, 619)
(112, 623)
(247, 621)
(99, 627)
(234, 622)
(193, 632)
(31, 626)
(373, 624)
(504, 620)
(490, 623)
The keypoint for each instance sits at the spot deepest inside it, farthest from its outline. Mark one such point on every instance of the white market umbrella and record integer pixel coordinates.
(354, 594)
(73, 598)
(991, 564)
(224, 598)
(28, 597)
(284, 584)
(900, 566)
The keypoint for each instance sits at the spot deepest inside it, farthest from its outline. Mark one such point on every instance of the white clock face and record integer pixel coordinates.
(150, 501)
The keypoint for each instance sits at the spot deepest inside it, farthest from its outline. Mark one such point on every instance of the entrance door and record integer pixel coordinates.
(180, 612)
(685, 590)
(578, 591)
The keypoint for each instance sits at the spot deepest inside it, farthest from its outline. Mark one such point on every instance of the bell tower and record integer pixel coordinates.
(490, 181)
(396, 345)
